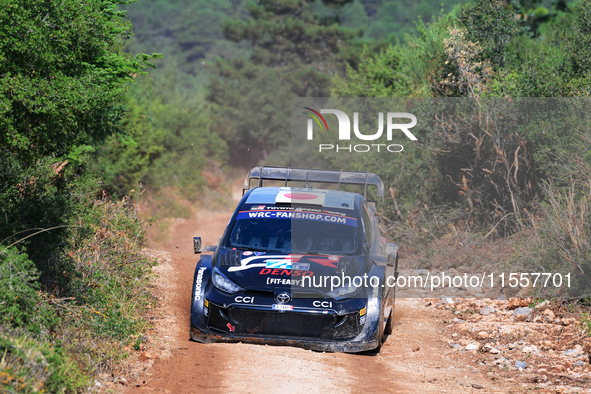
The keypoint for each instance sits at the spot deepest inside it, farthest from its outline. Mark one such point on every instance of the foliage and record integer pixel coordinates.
(19, 295)
(192, 40)
(187, 32)
(29, 365)
(492, 170)
(401, 70)
(293, 55)
(173, 142)
(490, 24)
(61, 75)
(562, 243)
(586, 323)
(378, 76)
(92, 287)
(470, 72)
(397, 19)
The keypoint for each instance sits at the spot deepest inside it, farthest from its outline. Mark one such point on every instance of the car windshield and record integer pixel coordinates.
(294, 236)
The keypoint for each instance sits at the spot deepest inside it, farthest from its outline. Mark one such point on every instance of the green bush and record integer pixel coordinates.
(20, 303)
(30, 365)
(173, 142)
(561, 242)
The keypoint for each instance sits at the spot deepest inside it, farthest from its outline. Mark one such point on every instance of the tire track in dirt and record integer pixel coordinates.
(413, 359)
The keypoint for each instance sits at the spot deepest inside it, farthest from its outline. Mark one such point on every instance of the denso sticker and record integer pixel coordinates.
(279, 271)
(198, 284)
(283, 307)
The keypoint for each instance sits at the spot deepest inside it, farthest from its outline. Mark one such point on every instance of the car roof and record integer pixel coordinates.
(308, 196)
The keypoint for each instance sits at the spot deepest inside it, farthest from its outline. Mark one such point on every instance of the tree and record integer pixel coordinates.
(62, 74)
(294, 54)
(172, 142)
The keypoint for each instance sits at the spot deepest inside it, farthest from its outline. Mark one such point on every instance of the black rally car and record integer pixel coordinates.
(298, 266)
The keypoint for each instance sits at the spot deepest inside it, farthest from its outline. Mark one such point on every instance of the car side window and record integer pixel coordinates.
(367, 225)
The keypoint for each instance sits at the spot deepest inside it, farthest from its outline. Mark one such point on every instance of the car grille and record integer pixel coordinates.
(289, 324)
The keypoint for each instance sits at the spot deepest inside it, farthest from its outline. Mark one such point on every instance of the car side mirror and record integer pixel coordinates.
(391, 249)
(197, 245)
(392, 260)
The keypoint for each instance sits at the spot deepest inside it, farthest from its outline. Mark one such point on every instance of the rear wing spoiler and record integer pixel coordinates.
(337, 177)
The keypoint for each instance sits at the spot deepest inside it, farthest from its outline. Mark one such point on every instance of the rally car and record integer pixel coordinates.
(298, 266)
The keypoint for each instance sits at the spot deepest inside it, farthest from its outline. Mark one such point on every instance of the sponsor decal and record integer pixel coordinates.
(206, 303)
(320, 217)
(230, 327)
(362, 319)
(257, 261)
(322, 304)
(245, 300)
(282, 307)
(198, 284)
(259, 207)
(292, 197)
(299, 209)
(279, 281)
(287, 264)
(362, 312)
(205, 307)
(301, 266)
(247, 253)
(289, 261)
(279, 271)
(205, 311)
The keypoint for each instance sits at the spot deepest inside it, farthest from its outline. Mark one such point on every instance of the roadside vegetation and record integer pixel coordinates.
(72, 274)
(87, 137)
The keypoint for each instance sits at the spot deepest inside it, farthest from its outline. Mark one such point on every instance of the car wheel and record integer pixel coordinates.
(389, 324)
(380, 330)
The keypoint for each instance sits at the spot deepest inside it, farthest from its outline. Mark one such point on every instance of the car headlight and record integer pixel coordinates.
(223, 283)
(342, 292)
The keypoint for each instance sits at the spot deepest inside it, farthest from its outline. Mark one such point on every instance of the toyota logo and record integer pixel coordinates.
(283, 298)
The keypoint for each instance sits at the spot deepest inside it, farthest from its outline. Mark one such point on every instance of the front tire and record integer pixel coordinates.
(388, 329)
(390, 323)
(380, 330)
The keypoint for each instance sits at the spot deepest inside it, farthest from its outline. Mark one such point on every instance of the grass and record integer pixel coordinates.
(92, 309)
(585, 323)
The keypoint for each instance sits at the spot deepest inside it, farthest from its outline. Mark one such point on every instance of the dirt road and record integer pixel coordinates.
(413, 359)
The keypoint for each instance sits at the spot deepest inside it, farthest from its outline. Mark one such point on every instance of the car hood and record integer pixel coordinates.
(269, 271)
